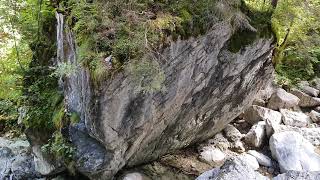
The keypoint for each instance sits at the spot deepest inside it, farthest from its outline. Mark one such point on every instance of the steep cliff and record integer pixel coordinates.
(208, 81)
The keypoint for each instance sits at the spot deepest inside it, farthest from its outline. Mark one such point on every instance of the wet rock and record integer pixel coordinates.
(304, 87)
(212, 155)
(292, 118)
(315, 116)
(233, 169)
(261, 158)
(257, 134)
(282, 99)
(298, 175)
(294, 152)
(305, 99)
(232, 133)
(257, 113)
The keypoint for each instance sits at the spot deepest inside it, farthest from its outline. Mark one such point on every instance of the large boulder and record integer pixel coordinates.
(294, 152)
(282, 99)
(256, 113)
(233, 169)
(305, 99)
(206, 84)
(292, 118)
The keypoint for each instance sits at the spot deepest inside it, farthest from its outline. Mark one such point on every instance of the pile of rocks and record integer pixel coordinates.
(279, 138)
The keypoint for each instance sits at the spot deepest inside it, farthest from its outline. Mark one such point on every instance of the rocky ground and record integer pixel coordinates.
(278, 138)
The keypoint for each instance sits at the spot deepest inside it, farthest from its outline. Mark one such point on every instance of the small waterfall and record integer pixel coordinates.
(76, 87)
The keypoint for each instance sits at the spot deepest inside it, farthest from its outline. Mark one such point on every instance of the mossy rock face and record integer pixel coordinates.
(241, 39)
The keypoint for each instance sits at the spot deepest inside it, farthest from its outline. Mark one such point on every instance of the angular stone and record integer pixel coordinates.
(315, 116)
(261, 158)
(233, 169)
(257, 113)
(232, 133)
(257, 134)
(305, 99)
(298, 175)
(282, 99)
(292, 118)
(294, 152)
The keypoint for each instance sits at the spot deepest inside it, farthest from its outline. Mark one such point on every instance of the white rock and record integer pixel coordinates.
(282, 99)
(232, 133)
(134, 176)
(239, 146)
(311, 134)
(261, 158)
(305, 99)
(292, 118)
(249, 160)
(212, 155)
(293, 152)
(315, 116)
(257, 113)
(256, 134)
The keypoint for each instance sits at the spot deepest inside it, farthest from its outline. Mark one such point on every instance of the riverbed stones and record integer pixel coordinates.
(235, 169)
(282, 99)
(292, 118)
(294, 152)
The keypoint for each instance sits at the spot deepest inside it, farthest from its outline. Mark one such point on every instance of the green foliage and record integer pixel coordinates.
(61, 149)
(74, 118)
(65, 69)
